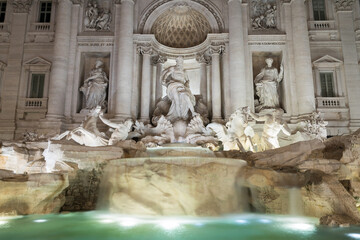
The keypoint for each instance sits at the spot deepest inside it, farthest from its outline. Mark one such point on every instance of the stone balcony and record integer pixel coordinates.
(321, 25)
(322, 30)
(41, 32)
(331, 102)
(32, 108)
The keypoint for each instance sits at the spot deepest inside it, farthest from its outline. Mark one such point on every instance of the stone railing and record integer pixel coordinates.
(331, 102)
(321, 25)
(34, 103)
(41, 27)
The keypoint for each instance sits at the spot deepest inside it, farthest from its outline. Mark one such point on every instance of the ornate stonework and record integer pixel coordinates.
(97, 18)
(21, 6)
(181, 27)
(344, 5)
(158, 3)
(263, 14)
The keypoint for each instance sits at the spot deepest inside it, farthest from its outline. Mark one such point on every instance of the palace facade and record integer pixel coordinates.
(48, 49)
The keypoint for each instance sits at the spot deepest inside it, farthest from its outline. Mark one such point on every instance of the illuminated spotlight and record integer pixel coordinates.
(169, 224)
(199, 224)
(128, 222)
(3, 222)
(241, 221)
(354, 235)
(301, 227)
(40, 220)
(107, 221)
(264, 220)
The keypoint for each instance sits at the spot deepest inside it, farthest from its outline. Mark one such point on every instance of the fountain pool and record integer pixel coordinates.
(106, 226)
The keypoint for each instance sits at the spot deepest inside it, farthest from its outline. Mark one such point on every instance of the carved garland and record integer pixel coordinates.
(344, 5)
(159, 3)
(21, 6)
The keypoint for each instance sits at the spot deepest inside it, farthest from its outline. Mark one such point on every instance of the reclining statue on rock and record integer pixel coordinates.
(87, 133)
(273, 125)
(236, 134)
(120, 131)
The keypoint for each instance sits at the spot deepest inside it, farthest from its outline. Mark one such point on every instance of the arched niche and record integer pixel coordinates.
(208, 10)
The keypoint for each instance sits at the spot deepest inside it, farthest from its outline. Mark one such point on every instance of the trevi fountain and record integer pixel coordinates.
(185, 167)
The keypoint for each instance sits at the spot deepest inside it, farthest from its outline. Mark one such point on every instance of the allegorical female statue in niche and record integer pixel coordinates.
(95, 87)
(267, 83)
(177, 83)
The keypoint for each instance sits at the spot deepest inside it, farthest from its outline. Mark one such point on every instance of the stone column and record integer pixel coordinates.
(302, 58)
(145, 83)
(125, 60)
(225, 82)
(159, 62)
(59, 69)
(12, 74)
(236, 56)
(203, 61)
(351, 68)
(215, 52)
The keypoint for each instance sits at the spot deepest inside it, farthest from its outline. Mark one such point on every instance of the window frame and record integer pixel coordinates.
(333, 90)
(46, 11)
(328, 64)
(30, 88)
(3, 12)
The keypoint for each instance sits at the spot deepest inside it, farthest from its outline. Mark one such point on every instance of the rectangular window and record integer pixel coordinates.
(37, 85)
(2, 11)
(45, 12)
(327, 84)
(319, 10)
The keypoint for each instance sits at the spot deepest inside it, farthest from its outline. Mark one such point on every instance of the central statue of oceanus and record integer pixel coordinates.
(177, 88)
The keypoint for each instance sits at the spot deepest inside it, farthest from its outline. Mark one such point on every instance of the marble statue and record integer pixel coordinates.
(177, 88)
(104, 20)
(273, 125)
(96, 18)
(267, 82)
(316, 126)
(154, 136)
(236, 134)
(87, 134)
(120, 131)
(95, 87)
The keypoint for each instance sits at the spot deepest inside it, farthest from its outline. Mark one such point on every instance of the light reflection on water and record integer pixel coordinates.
(106, 226)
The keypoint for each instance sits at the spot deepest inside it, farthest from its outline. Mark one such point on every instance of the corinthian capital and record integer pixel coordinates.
(344, 5)
(145, 49)
(21, 6)
(216, 49)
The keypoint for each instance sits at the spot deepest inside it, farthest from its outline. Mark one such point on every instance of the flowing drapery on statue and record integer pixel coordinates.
(95, 87)
(177, 88)
(267, 83)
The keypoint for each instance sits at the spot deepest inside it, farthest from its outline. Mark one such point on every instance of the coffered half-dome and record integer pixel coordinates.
(181, 27)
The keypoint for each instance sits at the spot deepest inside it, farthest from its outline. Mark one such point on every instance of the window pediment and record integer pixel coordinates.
(327, 61)
(38, 63)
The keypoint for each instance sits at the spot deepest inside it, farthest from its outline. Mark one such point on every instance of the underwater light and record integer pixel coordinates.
(169, 224)
(301, 227)
(3, 222)
(128, 222)
(106, 221)
(354, 235)
(241, 221)
(40, 220)
(264, 220)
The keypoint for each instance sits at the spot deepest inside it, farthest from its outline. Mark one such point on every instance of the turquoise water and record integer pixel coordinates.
(105, 226)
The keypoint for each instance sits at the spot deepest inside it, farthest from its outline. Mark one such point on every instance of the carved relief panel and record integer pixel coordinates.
(264, 14)
(98, 15)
